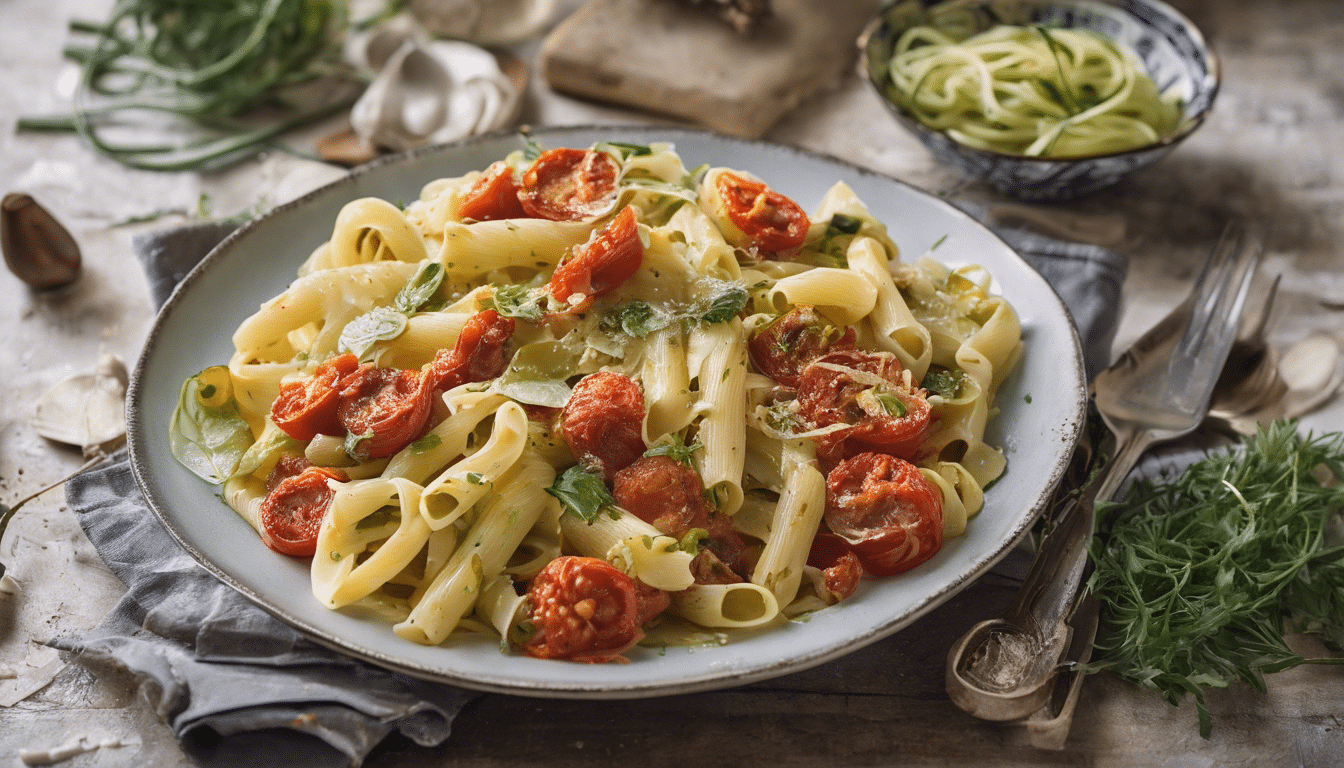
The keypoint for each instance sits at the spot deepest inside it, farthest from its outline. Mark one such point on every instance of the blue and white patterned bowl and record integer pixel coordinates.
(1170, 46)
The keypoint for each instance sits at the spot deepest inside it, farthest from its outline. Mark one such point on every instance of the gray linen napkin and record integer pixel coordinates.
(240, 687)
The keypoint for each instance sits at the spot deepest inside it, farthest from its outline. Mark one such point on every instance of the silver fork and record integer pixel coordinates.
(1003, 669)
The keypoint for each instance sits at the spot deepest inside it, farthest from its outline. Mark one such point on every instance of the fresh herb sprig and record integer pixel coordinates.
(1197, 575)
(233, 74)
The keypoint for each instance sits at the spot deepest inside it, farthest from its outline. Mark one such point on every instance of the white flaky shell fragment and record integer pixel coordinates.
(87, 410)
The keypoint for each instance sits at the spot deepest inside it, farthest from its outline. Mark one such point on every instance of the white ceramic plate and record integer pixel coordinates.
(1042, 409)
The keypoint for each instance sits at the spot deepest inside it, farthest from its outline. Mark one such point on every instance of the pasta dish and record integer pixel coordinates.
(585, 397)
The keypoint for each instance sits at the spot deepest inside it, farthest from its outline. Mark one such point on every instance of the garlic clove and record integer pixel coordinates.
(88, 409)
(432, 92)
(40, 251)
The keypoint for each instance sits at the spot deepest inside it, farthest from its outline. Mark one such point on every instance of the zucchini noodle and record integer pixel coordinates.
(1029, 90)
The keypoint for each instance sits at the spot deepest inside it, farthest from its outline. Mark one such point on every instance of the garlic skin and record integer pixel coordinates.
(87, 410)
(38, 250)
(427, 91)
(484, 22)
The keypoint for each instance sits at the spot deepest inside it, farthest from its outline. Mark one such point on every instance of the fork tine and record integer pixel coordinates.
(1253, 326)
(1220, 292)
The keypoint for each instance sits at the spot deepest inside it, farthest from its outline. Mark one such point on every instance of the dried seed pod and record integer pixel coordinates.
(40, 251)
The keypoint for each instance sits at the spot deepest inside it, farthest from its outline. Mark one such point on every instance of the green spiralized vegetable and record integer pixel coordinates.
(1030, 90)
(232, 74)
(1196, 576)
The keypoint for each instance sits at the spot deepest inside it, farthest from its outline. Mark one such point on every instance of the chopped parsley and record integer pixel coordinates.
(582, 493)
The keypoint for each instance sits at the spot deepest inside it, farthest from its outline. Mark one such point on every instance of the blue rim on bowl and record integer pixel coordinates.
(1170, 46)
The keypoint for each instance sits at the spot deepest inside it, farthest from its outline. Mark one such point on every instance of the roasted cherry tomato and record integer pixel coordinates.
(583, 609)
(662, 492)
(652, 601)
(886, 511)
(602, 264)
(307, 408)
(384, 408)
(840, 567)
(292, 512)
(669, 496)
(603, 422)
(782, 349)
(481, 352)
(888, 418)
(288, 466)
(770, 221)
(493, 196)
(569, 184)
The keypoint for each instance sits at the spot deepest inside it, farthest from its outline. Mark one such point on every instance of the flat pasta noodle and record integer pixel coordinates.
(447, 532)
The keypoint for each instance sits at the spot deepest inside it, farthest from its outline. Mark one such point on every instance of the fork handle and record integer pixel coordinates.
(1050, 591)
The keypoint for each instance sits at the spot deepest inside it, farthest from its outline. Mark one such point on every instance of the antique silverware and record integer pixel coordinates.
(1004, 668)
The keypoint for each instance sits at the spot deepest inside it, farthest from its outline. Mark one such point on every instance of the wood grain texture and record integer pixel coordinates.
(670, 57)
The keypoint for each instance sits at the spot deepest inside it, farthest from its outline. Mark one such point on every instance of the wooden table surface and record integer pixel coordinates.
(1271, 151)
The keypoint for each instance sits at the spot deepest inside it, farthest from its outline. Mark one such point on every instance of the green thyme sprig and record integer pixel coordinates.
(1199, 576)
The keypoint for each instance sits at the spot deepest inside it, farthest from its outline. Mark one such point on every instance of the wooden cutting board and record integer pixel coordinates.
(671, 57)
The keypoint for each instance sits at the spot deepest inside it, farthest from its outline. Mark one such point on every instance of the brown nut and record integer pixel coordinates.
(40, 251)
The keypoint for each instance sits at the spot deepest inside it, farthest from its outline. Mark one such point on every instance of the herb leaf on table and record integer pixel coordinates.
(1197, 575)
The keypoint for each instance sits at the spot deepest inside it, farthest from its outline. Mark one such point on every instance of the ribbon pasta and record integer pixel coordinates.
(443, 534)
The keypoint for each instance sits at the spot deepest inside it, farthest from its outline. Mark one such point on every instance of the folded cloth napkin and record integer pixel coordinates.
(236, 684)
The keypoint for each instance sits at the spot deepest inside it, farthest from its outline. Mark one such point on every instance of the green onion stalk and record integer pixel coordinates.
(230, 74)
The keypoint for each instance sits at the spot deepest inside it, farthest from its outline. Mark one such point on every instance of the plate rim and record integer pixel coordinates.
(138, 446)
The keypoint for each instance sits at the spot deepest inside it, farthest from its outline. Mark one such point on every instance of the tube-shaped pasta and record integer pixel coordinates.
(368, 229)
(737, 606)
(483, 553)
(448, 496)
(361, 513)
(449, 440)
(657, 561)
(326, 301)
(844, 296)
(894, 326)
(795, 522)
(667, 394)
(722, 351)
(472, 250)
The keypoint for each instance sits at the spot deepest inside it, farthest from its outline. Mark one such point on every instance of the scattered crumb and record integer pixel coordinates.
(77, 746)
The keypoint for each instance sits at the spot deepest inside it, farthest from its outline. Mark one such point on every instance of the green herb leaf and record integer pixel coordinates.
(352, 442)
(531, 149)
(624, 150)
(842, 224)
(515, 301)
(378, 518)
(637, 318)
(475, 478)
(690, 542)
(379, 324)
(1195, 575)
(582, 493)
(891, 404)
(944, 382)
(676, 451)
(207, 435)
(420, 289)
(726, 304)
(428, 442)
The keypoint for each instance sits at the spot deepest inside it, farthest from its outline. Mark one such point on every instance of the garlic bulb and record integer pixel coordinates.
(88, 410)
(427, 91)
